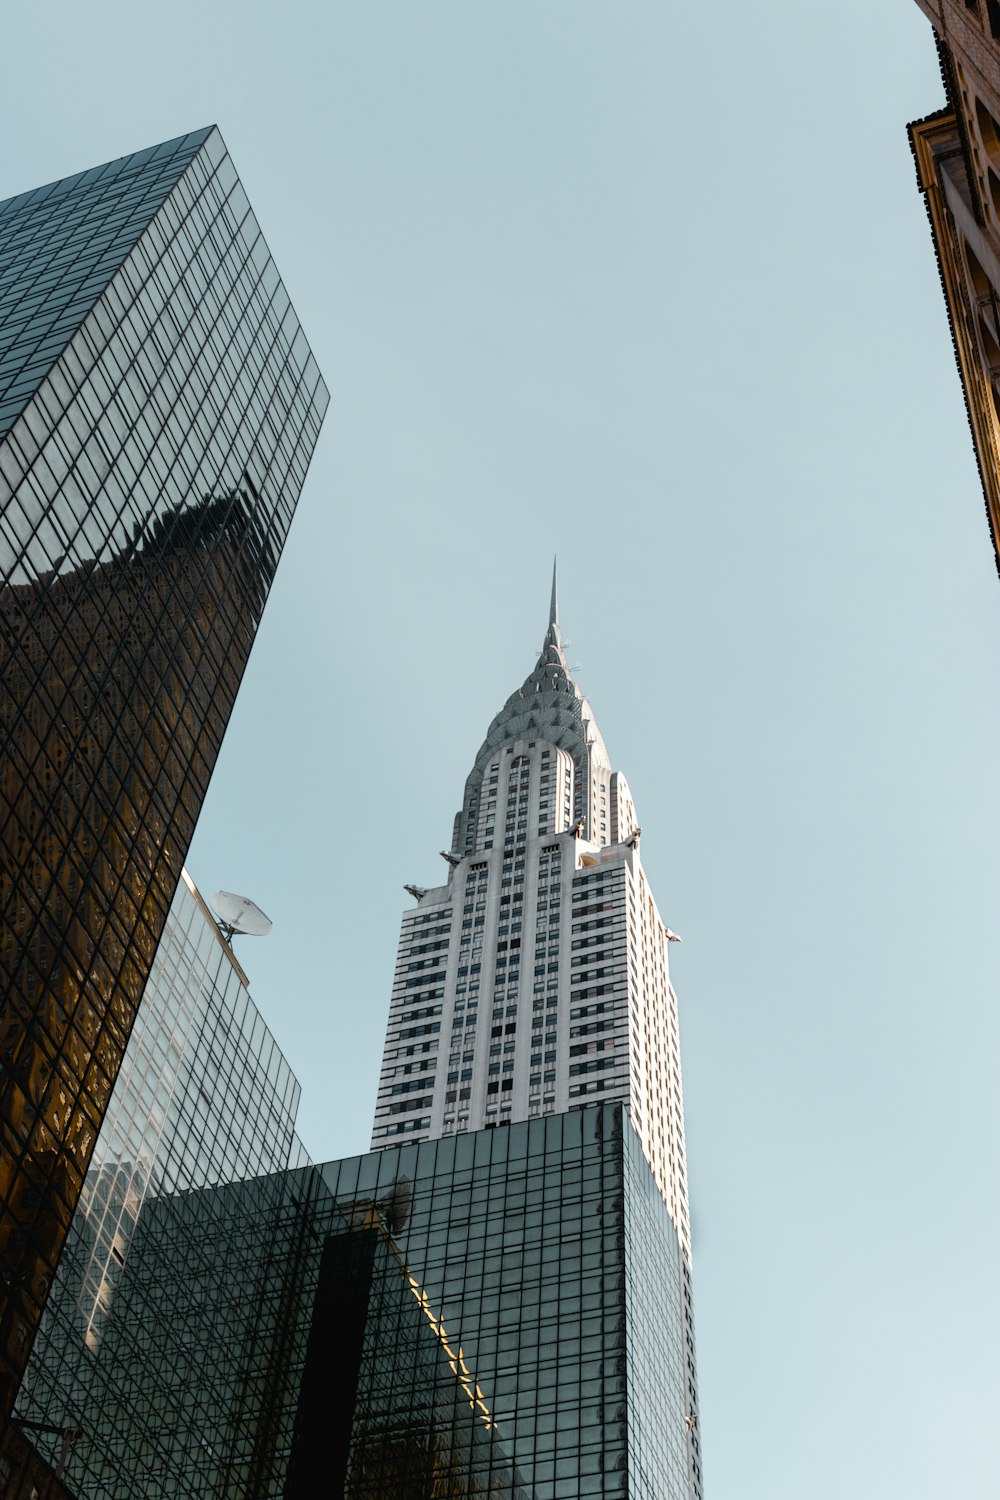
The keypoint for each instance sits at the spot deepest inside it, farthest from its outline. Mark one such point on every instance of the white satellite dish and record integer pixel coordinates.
(238, 914)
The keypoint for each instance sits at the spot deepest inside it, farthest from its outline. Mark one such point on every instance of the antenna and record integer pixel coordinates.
(239, 915)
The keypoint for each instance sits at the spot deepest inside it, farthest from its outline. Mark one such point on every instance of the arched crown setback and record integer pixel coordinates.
(547, 706)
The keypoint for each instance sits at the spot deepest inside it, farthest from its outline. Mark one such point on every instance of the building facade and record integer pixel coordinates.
(495, 1313)
(544, 1262)
(957, 154)
(204, 1098)
(500, 1308)
(158, 409)
(536, 980)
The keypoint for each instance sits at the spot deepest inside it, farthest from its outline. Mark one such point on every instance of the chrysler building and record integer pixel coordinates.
(496, 1300)
(536, 980)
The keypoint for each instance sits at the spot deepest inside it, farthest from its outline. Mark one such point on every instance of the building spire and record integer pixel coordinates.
(553, 636)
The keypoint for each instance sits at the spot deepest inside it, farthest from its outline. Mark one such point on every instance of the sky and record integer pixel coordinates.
(649, 285)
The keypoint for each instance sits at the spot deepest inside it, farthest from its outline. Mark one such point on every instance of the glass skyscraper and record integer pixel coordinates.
(500, 1311)
(495, 1314)
(204, 1097)
(159, 405)
(544, 1261)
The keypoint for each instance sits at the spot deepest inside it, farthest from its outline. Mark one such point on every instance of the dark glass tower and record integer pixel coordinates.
(543, 1260)
(158, 409)
(499, 1313)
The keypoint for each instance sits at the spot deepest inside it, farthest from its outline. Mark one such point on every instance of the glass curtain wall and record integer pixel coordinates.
(499, 1313)
(204, 1098)
(158, 409)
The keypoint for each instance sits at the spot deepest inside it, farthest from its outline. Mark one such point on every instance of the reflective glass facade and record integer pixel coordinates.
(204, 1097)
(61, 246)
(158, 409)
(499, 1313)
(409, 1418)
(545, 1254)
(23, 1472)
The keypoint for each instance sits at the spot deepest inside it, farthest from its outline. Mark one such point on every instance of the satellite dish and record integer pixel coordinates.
(238, 914)
(395, 1207)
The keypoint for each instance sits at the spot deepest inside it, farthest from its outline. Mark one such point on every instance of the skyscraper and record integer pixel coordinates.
(502, 1311)
(204, 1098)
(158, 409)
(957, 153)
(536, 979)
(495, 1313)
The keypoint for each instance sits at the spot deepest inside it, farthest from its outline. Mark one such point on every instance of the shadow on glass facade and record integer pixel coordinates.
(497, 1313)
(387, 1405)
(158, 409)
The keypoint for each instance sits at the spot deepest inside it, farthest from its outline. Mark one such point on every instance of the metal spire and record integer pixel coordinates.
(554, 606)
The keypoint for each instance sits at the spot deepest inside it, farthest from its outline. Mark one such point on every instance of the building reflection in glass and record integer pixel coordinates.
(498, 1314)
(204, 1097)
(388, 1405)
(158, 409)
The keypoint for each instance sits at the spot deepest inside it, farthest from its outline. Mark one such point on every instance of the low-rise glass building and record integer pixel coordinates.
(498, 1313)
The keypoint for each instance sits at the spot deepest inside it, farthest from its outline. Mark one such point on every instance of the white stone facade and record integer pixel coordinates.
(537, 980)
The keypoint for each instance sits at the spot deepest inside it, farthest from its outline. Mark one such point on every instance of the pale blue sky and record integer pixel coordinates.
(650, 285)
